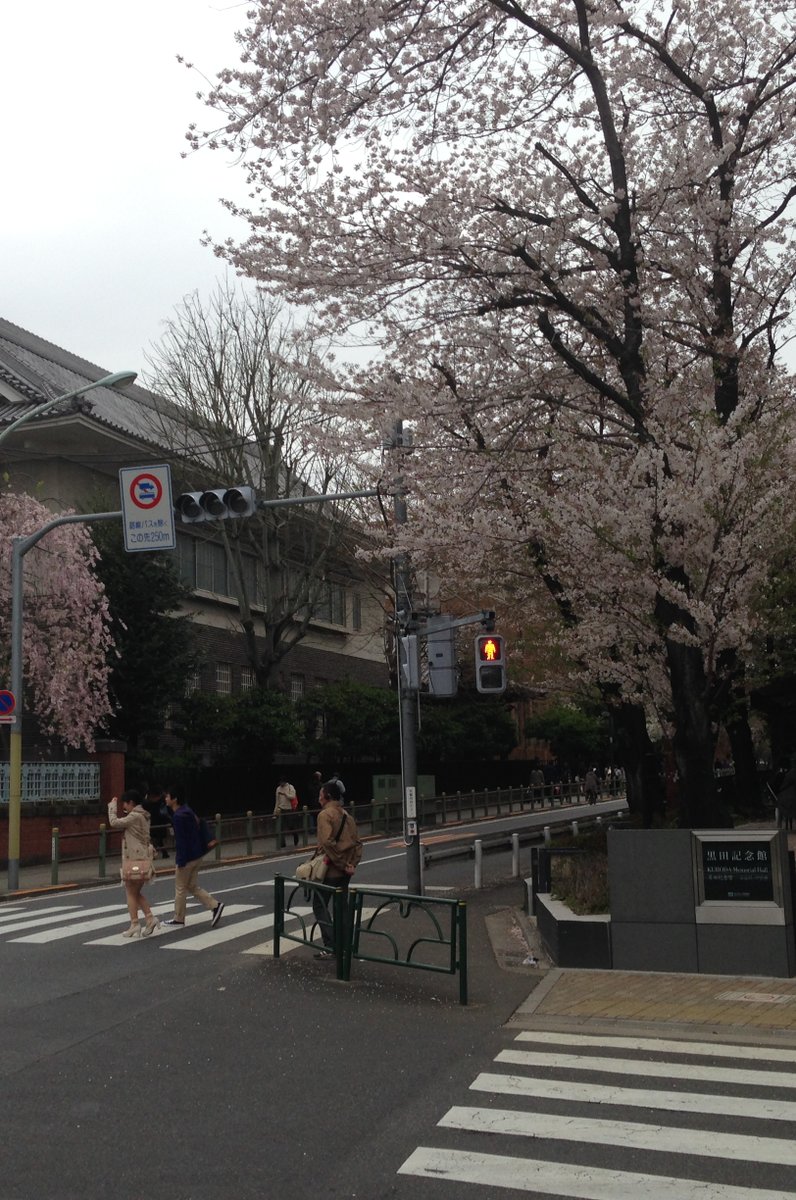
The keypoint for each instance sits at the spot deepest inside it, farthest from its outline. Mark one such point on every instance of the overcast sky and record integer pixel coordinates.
(100, 217)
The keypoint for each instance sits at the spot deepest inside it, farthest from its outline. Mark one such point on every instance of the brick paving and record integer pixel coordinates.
(751, 1003)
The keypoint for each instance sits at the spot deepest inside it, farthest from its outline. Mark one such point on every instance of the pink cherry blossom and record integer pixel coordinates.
(66, 637)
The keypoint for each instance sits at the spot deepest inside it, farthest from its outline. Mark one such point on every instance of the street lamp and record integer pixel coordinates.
(118, 379)
(20, 547)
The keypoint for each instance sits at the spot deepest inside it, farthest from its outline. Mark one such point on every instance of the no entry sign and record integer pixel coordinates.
(8, 703)
(147, 509)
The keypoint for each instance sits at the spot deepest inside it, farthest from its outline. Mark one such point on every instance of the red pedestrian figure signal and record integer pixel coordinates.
(490, 663)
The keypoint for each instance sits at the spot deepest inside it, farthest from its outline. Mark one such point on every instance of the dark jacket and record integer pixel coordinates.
(187, 842)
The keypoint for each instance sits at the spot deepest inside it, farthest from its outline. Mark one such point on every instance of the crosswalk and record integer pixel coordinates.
(103, 925)
(575, 1115)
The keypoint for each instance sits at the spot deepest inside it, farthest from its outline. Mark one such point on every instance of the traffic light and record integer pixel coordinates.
(490, 663)
(217, 504)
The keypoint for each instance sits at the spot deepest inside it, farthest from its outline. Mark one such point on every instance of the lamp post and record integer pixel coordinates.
(118, 379)
(20, 547)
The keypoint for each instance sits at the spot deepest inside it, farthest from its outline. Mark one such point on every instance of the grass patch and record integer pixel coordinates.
(581, 880)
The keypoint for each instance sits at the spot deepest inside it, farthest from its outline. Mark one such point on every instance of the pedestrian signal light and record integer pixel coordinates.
(490, 663)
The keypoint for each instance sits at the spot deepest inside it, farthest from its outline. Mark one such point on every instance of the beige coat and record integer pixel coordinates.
(342, 851)
(135, 843)
(285, 793)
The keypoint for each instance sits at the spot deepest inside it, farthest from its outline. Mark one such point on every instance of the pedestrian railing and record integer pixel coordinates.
(367, 925)
(443, 928)
(295, 902)
(270, 834)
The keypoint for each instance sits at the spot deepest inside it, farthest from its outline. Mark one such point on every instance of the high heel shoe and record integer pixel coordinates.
(133, 931)
(152, 923)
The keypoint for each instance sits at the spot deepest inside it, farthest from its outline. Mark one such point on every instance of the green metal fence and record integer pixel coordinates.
(368, 924)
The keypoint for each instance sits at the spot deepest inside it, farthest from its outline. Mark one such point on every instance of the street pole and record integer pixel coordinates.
(407, 696)
(19, 548)
(119, 379)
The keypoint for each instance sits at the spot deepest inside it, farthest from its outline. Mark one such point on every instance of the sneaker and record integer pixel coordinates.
(217, 911)
(323, 954)
(171, 921)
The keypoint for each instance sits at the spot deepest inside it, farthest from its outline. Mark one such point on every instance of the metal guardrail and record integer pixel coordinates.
(341, 942)
(454, 943)
(268, 834)
(355, 923)
(476, 845)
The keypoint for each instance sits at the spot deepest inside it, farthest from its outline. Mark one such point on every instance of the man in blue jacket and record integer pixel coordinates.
(188, 853)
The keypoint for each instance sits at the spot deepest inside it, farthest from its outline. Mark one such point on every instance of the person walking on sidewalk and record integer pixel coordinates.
(188, 854)
(338, 841)
(591, 786)
(137, 851)
(284, 806)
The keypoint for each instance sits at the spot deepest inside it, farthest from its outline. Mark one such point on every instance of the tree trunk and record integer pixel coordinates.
(700, 806)
(637, 756)
(747, 784)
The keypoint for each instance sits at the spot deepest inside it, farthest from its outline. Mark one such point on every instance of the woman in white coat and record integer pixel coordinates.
(137, 854)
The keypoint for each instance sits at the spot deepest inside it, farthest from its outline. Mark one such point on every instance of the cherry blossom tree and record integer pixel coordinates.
(569, 227)
(66, 638)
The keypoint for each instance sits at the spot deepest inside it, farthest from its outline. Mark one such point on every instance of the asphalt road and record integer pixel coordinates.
(145, 1069)
(192, 1066)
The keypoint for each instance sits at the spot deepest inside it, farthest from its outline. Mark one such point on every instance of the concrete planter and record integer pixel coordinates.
(571, 940)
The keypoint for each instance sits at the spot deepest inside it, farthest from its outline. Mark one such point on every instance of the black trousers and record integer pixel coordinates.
(322, 908)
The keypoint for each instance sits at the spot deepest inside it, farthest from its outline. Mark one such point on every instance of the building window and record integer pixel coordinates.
(356, 611)
(330, 605)
(224, 678)
(186, 560)
(246, 679)
(296, 688)
(192, 683)
(202, 563)
(253, 580)
(211, 567)
(338, 603)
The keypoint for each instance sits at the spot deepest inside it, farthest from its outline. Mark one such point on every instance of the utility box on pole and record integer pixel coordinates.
(409, 662)
(442, 674)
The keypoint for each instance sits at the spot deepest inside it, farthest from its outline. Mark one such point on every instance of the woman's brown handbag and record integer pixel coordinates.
(137, 870)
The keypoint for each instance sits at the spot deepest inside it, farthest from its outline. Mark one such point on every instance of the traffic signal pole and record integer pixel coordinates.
(407, 695)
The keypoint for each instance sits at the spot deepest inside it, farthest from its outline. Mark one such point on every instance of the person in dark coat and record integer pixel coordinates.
(188, 853)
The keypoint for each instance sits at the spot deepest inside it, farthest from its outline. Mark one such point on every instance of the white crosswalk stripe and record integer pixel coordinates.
(749, 1122)
(43, 926)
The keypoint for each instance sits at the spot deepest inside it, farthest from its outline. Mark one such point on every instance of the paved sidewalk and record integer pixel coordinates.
(745, 1008)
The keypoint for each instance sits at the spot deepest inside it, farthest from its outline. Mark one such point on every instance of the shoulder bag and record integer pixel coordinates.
(315, 868)
(138, 869)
